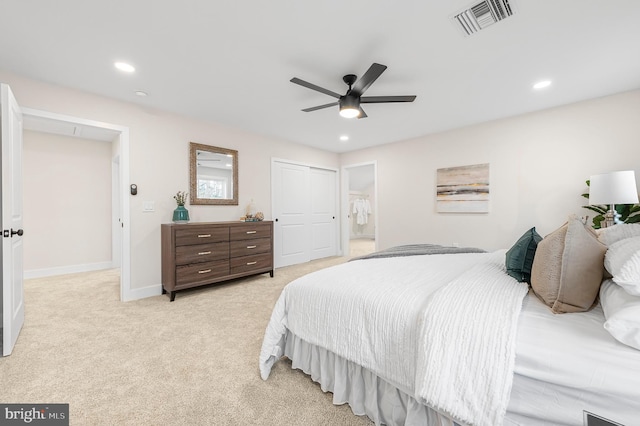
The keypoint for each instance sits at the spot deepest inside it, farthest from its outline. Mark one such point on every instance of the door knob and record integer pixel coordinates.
(19, 232)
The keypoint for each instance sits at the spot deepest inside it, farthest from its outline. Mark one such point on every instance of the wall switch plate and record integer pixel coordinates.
(148, 206)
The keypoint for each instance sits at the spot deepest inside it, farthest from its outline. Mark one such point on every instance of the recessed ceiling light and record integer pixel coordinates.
(542, 84)
(123, 66)
(141, 93)
(344, 138)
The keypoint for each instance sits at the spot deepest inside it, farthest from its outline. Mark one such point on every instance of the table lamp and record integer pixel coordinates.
(611, 189)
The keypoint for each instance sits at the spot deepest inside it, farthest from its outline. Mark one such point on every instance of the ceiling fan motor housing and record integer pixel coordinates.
(349, 101)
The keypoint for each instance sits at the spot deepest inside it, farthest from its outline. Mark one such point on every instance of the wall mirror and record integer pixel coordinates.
(213, 175)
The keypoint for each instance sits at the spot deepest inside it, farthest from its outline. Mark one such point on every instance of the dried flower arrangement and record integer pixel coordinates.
(180, 197)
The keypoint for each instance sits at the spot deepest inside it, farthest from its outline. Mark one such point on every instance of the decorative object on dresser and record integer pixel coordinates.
(180, 214)
(202, 253)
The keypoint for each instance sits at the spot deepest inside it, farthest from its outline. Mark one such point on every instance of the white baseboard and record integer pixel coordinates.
(63, 270)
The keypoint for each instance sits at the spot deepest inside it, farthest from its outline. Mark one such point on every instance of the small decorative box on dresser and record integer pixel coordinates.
(195, 254)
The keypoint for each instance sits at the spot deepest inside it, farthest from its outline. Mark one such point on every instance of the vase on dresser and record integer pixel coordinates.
(181, 214)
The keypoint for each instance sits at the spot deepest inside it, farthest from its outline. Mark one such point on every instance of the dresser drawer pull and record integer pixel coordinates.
(250, 247)
(204, 235)
(251, 263)
(204, 271)
(204, 252)
(251, 232)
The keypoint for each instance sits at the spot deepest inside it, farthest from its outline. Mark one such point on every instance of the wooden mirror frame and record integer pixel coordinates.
(193, 172)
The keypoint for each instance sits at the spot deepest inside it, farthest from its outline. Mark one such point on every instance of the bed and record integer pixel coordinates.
(448, 337)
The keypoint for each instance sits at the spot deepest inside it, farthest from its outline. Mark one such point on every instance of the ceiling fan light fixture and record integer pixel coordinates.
(349, 107)
(349, 112)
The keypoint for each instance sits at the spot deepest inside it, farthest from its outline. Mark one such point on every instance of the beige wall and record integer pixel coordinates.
(67, 203)
(539, 163)
(159, 153)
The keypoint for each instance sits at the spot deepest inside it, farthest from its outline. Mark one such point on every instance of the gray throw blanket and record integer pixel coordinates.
(418, 249)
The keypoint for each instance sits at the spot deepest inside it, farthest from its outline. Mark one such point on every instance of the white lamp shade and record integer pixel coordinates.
(613, 188)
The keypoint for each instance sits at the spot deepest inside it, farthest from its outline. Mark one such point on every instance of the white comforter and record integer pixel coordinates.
(439, 327)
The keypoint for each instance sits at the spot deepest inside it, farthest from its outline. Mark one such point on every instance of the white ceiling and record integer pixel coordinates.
(231, 61)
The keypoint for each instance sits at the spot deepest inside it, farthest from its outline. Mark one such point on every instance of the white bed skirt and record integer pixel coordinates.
(366, 393)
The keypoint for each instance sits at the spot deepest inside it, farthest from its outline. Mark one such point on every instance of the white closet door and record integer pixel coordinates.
(323, 213)
(304, 213)
(292, 222)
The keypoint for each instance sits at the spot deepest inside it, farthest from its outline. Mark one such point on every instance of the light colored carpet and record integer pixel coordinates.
(152, 362)
(361, 246)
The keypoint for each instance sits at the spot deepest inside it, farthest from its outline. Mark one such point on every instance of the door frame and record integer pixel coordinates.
(345, 203)
(338, 224)
(121, 138)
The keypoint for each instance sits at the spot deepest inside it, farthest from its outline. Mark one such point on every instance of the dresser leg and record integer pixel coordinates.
(173, 296)
(271, 273)
(163, 290)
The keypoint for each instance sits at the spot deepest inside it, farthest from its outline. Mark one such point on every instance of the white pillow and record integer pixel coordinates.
(619, 232)
(622, 313)
(622, 261)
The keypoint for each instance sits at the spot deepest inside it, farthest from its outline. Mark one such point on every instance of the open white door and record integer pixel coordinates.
(12, 269)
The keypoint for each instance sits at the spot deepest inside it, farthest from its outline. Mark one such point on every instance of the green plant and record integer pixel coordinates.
(180, 197)
(628, 212)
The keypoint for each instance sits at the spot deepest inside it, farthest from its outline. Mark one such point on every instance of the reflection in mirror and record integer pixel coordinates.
(213, 175)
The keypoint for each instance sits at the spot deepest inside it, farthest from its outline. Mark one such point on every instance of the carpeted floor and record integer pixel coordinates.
(152, 362)
(361, 246)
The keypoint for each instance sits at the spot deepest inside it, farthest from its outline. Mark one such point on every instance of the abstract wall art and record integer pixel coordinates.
(463, 189)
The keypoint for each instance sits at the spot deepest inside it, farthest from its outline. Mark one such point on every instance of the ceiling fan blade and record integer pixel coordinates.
(314, 87)
(320, 107)
(362, 113)
(382, 99)
(368, 78)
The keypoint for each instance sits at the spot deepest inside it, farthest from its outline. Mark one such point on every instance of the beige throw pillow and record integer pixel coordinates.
(567, 268)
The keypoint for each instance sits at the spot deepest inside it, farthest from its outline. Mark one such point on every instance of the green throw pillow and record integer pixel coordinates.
(520, 256)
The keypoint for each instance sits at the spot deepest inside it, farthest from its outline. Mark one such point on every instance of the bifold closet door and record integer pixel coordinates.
(303, 213)
(323, 213)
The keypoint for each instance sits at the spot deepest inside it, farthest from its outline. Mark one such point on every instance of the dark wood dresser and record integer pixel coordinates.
(201, 253)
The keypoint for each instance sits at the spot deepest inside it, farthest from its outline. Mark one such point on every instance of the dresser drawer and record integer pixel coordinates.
(201, 272)
(249, 247)
(188, 236)
(250, 263)
(202, 253)
(250, 231)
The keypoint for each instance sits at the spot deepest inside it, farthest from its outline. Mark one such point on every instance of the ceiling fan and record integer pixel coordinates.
(350, 102)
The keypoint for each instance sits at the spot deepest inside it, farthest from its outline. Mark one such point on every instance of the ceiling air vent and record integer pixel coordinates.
(483, 14)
